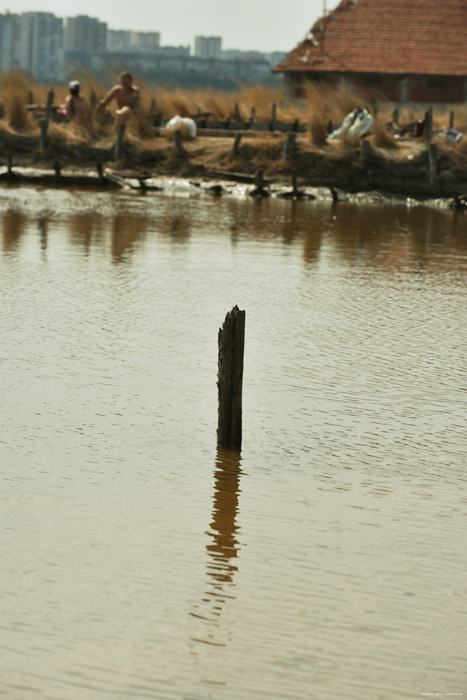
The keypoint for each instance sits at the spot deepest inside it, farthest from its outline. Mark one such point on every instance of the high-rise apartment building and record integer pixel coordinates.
(9, 35)
(122, 41)
(208, 46)
(85, 35)
(40, 45)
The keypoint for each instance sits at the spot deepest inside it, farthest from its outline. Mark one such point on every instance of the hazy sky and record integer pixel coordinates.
(243, 24)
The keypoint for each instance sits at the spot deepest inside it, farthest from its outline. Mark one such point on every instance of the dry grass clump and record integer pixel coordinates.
(382, 137)
(14, 96)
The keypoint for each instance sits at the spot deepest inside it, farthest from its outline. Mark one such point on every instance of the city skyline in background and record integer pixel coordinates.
(244, 25)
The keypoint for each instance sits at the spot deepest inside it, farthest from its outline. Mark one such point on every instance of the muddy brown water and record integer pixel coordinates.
(328, 560)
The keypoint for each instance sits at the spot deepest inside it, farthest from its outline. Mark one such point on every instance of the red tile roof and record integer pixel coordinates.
(421, 37)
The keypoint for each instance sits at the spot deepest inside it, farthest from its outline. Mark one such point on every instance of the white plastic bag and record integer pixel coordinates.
(184, 124)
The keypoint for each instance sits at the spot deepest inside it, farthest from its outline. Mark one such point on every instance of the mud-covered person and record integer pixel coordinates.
(126, 96)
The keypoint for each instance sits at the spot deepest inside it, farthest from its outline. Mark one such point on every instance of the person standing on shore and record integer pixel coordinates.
(126, 96)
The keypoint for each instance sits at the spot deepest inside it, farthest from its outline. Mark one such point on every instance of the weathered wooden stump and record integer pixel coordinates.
(231, 342)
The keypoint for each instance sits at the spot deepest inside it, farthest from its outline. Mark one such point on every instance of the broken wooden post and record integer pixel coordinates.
(30, 98)
(289, 145)
(119, 141)
(395, 115)
(179, 150)
(252, 116)
(49, 105)
(432, 163)
(231, 343)
(428, 127)
(236, 144)
(44, 126)
(451, 119)
(237, 113)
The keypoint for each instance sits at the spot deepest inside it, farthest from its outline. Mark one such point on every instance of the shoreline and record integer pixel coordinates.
(418, 173)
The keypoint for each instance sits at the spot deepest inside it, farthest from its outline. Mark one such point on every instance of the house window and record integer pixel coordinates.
(436, 83)
(373, 80)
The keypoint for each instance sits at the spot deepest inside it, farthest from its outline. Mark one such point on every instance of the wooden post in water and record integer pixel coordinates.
(236, 143)
(231, 342)
(119, 141)
(49, 105)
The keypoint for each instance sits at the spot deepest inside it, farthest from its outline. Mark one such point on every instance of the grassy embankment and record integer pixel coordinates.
(337, 163)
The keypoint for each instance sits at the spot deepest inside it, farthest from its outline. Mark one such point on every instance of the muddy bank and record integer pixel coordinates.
(260, 167)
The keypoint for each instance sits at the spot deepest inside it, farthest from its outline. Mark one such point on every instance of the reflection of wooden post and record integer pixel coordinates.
(119, 141)
(236, 144)
(231, 342)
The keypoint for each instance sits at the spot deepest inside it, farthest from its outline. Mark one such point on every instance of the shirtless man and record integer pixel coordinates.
(126, 96)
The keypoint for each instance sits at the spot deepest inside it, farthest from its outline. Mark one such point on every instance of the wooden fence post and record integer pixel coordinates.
(231, 343)
(44, 126)
(49, 105)
(236, 143)
(273, 116)
(428, 128)
(237, 113)
(432, 163)
(180, 151)
(119, 141)
(289, 145)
